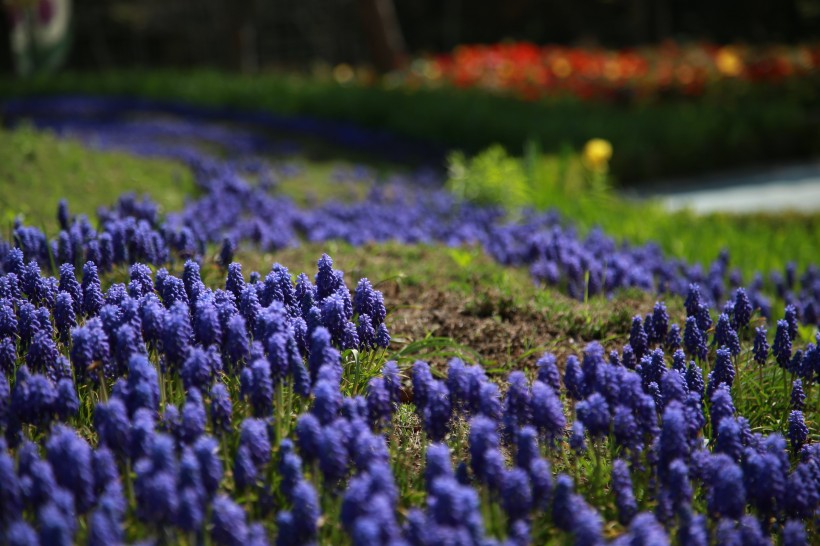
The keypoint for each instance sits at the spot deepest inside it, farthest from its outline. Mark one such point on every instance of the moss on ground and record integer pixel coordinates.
(37, 169)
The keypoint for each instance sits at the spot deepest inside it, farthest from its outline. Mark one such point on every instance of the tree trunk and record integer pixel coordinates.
(383, 34)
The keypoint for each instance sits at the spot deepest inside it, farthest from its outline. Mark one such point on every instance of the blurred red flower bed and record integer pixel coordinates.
(670, 69)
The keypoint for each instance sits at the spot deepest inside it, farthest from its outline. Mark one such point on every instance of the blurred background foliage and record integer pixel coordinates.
(254, 34)
(380, 64)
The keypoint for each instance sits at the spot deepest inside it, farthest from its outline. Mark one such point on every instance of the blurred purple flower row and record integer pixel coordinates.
(406, 209)
(128, 121)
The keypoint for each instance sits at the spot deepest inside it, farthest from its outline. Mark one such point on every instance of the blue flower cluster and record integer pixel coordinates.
(671, 430)
(143, 342)
(168, 405)
(161, 408)
(407, 209)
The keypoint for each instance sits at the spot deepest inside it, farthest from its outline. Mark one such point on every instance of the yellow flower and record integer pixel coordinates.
(597, 153)
(728, 61)
(343, 73)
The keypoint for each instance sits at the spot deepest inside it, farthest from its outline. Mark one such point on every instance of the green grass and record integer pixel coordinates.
(318, 180)
(422, 282)
(727, 127)
(756, 242)
(37, 169)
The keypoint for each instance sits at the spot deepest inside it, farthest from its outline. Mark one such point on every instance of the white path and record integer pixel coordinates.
(791, 187)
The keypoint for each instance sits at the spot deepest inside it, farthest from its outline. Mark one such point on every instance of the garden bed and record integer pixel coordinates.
(729, 127)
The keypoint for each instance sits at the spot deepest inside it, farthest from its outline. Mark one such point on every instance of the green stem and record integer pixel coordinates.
(129, 483)
(289, 410)
(162, 396)
(103, 387)
(280, 406)
(596, 473)
(489, 513)
(356, 372)
(786, 396)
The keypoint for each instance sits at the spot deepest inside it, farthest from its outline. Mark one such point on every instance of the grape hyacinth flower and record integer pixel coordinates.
(64, 317)
(370, 302)
(229, 523)
(489, 405)
(177, 334)
(722, 406)
(625, 428)
(790, 316)
(392, 380)
(382, 336)
(765, 481)
(593, 412)
(674, 438)
(660, 322)
(326, 281)
(254, 435)
(725, 336)
(727, 495)
(727, 439)
(526, 447)
(577, 437)
(574, 378)
(694, 378)
(704, 319)
(192, 418)
(112, 425)
(798, 431)
(140, 283)
(516, 494)
(742, 309)
(206, 324)
(70, 457)
(637, 338)
(678, 485)
(761, 346)
(308, 436)
(622, 489)
(782, 347)
(91, 289)
(547, 412)
(260, 390)
(693, 300)
(226, 252)
(673, 339)
(235, 282)
(548, 371)
(724, 371)
(328, 401)
(693, 340)
(798, 397)
(322, 353)
(333, 456)
(235, 341)
(794, 534)
(628, 357)
(587, 525)
(380, 408)
(437, 412)
(305, 511)
(221, 408)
